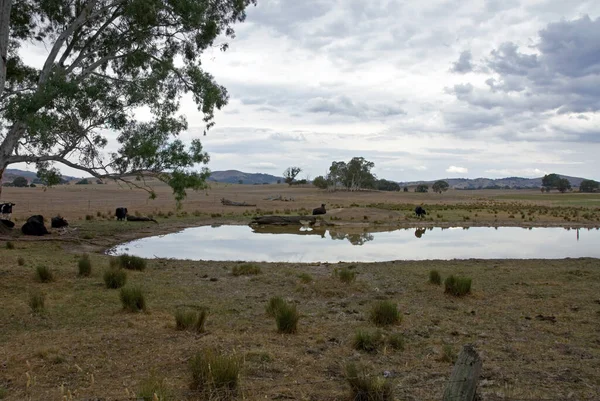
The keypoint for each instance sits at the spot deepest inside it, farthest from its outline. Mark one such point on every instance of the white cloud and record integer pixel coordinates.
(262, 166)
(458, 170)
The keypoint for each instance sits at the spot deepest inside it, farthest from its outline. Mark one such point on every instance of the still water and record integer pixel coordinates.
(243, 243)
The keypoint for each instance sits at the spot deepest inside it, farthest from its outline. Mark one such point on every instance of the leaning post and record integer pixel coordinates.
(465, 375)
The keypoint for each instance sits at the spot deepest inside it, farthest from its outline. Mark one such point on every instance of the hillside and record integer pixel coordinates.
(235, 176)
(11, 173)
(509, 182)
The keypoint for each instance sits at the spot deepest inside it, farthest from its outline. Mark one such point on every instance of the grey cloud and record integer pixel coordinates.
(463, 65)
(508, 60)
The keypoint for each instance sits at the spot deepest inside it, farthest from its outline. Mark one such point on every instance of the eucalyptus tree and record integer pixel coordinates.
(107, 60)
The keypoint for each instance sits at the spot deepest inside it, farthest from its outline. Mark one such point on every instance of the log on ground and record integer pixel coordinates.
(284, 220)
(228, 202)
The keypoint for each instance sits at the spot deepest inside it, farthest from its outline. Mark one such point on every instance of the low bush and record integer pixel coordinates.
(367, 387)
(435, 278)
(10, 245)
(305, 278)
(274, 304)
(37, 301)
(457, 286)
(129, 262)
(21, 261)
(385, 313)
(186, 319)
(43, 274)
(367, 340)
(115, 278)
(286, 317)
(346, 275)
(85, 266)
(246, 269)
(132, 299)
(215, 374)
(396, 341)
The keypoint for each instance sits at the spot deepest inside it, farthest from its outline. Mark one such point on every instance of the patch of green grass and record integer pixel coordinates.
(305, 278)
(153, 385)
(385, 313)
(346, 275)
(215, 374)
(21, 261)
(274, 304)
(115, 277)
(191, 319)
(10, 245)
(457, 286)
(286, 317)
(448, 354)
(367, 340)
(43, 274)
(129, 262)
(434, 277)
(85, 266)
(37, 301)
(246, 269)
(366, 386)
(396, 341)
(132, 299)
(3, 393)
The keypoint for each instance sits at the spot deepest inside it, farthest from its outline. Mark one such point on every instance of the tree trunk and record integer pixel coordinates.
(5, 6)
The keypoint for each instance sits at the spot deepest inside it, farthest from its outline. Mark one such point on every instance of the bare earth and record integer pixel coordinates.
(534, 322)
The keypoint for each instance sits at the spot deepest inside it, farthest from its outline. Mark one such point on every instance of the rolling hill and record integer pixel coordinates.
(11, 173)
(235, 176)
(509, 182)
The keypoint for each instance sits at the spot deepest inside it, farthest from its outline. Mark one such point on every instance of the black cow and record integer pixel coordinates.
(121, 213)
(35, 226)
(6, 209)
(59, 222)
(7, 223)
(319, 210)
(420, 212)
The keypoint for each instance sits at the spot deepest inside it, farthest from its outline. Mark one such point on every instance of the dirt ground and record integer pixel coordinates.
(534, 322)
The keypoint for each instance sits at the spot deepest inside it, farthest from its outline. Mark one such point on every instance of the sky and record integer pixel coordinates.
(424, 89)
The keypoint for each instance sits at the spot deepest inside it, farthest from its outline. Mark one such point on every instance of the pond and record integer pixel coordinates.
(243, 243)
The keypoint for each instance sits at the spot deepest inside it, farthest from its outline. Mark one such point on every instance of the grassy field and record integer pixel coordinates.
(534, 322)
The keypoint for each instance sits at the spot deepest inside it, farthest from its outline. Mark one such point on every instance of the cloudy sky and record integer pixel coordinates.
(424, 89)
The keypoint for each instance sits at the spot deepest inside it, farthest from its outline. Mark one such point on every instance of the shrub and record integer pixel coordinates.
(367, 387)
(435, 278)
(129, 262)
(246, 269)
(287, 318)
(275, 303)
(215, 374)
(85, 266)
(188, 319)
(457, 286)
(89, 217)
(305, 278)
(346, 275)
(396, 341)
(43, 274)
(36, 301)
(10, 245)
(367, 340)
(154, 385)
(385, 313)
(21, 261)
(132, 299)
(115, 278)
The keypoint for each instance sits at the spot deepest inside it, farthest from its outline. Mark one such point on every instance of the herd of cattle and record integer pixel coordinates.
(35, 224)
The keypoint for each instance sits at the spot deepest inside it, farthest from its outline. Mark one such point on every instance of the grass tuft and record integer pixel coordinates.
(385, 313)
(434, 277)
(346, 275)
(396, 341)
(305, 278)
(215, 374)
(129, 262)
(115, 278)
(186, 319)
(153, 385)
(457, 286)
(275, 303)
(10, 245)
(367, 387)
(286, 317)
(43, 274)
(133, 299)
(85, 266)
(448, 354)
(367, 340)
(246, 269)
(21, 261)
(37, 301)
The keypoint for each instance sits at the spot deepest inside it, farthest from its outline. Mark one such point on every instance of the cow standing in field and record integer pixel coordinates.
(319, 210)
(6, 210)
(121, 213)
(420, 212)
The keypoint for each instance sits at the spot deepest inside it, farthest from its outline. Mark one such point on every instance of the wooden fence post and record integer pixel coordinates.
(465, 375)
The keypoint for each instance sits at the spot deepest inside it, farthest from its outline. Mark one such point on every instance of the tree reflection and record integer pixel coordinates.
(354, 239)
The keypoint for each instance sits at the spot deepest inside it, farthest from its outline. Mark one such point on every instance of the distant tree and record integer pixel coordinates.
(240, 181)
(32, 185)
(422, 188)
(337, 172)
(357, 174)
(589, 186)
(279, 181)
(563, 185)
(385, 185)
(99, 182)
(405, 189)
(320, 182)
(20, 182)
(290, 174)
(550, 181)
(440, 186)
(85, 181)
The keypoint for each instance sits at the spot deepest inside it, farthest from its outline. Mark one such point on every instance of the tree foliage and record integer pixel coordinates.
(354, 175)
(385, 185)
(589, 186)
(440, 186)
(422, 188)
(320, 182)
(550, 181)
(20, 182)
(563, 185)
(290, 174)
(107, 59)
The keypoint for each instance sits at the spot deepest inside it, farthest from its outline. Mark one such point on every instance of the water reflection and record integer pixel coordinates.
(305, 244)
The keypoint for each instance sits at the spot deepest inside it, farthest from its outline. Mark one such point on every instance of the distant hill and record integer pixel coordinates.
(235, 176)
(509, 182)
(11, 173)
